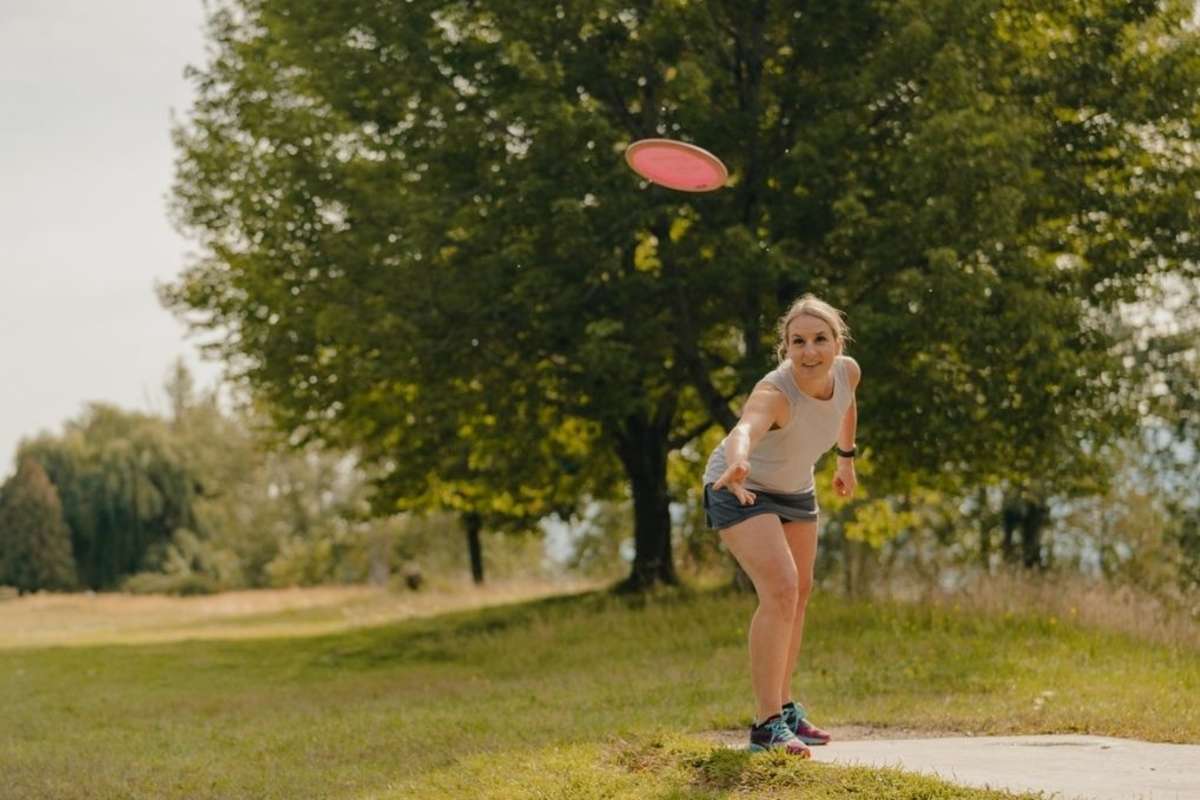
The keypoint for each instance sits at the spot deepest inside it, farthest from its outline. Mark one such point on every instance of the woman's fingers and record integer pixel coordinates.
(733, 475)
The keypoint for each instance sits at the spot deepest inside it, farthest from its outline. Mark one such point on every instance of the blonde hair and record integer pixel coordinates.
(813, 306)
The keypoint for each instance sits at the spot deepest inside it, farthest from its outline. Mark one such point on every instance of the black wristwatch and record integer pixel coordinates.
(846, 453)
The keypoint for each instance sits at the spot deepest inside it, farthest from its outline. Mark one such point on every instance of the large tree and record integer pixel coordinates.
(125, 489)
(35, 545)
(409, 211)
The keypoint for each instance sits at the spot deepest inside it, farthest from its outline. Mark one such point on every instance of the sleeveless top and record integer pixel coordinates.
(784, 459)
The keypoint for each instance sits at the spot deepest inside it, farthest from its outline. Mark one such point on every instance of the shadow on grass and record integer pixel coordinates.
(457, 636)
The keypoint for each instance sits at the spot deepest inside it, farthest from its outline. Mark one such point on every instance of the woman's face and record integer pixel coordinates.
(811, 347)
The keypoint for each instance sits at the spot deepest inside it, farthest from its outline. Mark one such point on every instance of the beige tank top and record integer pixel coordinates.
(784, 459)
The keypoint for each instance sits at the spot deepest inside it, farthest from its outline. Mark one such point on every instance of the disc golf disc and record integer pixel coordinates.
(676, 165)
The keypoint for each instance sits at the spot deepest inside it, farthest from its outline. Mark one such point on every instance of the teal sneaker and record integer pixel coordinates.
(805, 731)
(774, 734)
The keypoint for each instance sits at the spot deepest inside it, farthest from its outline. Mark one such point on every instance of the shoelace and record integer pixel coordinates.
(780, 732)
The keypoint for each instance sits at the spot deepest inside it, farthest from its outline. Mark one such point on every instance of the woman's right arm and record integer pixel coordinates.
(765, 407)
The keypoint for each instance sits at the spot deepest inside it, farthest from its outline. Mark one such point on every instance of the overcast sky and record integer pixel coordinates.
(86, 94)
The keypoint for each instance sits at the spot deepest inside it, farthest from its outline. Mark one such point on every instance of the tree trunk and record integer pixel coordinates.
(473, 523)
(1026, 517)
(642, 448)
(985, 531)
(1031, 534)
(1011, 516)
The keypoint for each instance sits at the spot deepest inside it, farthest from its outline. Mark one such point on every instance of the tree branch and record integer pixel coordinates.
(679, 441)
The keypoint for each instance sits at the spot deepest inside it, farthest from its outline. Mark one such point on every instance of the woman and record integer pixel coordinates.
(759, 493)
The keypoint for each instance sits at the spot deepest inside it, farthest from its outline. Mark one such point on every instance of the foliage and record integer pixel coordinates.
(125, 489)
(207, 499)
(1168, 354)
(35, 545)
(272, 514)
(416, 222)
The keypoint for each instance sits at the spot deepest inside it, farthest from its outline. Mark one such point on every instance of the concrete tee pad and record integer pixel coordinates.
(1066, 767)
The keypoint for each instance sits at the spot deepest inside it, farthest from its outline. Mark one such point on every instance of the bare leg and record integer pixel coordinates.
(801, 539)
(759, 546)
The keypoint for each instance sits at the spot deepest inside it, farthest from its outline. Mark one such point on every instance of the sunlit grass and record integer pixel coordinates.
(583, 696)
(111, 618)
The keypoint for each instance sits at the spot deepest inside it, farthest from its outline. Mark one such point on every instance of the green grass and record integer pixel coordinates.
(580, 697)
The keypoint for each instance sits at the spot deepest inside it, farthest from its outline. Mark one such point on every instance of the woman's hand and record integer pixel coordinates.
(844, 479)
(733, 478)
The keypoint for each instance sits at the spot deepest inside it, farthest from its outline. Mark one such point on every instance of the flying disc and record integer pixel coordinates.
(676, 165)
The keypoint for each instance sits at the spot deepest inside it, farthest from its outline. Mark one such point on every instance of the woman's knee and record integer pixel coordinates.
(779, 593)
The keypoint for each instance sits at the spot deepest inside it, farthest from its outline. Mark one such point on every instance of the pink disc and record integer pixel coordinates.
(676, 165)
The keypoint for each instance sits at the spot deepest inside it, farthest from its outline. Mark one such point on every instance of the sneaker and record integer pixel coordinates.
(805, 731)
(774, 734)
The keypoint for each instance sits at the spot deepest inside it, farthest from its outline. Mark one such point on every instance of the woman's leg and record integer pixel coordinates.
(801, 538)
(759, 545)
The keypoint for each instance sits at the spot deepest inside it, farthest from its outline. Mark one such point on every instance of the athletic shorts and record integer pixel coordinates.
(722, 509)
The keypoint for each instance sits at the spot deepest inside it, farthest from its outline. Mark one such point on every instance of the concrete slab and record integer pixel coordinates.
(1065, 767)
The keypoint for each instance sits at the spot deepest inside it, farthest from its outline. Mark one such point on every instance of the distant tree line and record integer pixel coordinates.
(197, 500)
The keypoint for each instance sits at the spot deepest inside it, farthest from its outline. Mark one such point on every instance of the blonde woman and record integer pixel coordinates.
(759, 494)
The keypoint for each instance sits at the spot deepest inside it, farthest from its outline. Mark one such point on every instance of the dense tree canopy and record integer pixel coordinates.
(124, 485)
(35, 545)
(415, 220)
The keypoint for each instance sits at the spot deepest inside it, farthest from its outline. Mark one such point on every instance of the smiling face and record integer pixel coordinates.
(811, 347)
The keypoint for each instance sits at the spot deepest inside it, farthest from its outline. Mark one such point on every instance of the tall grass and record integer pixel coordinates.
(1091, 603)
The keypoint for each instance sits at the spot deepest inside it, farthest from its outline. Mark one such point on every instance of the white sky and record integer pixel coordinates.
(87, 88)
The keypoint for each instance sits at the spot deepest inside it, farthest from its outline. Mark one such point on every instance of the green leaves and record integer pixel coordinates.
(35, 544)
(399, 202)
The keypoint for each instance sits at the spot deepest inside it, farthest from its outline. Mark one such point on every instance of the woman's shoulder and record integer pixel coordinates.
(780, 378)
(853, 370)
(778, 386)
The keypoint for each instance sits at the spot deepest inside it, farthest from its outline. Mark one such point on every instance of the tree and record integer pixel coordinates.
(399, 202)
(35, 545)
(125, 489)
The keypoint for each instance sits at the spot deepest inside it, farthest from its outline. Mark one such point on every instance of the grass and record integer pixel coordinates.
(1161, 618)
(575, 697)
(81, 619)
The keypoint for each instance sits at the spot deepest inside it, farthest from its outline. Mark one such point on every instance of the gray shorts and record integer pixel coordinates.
(722, 509)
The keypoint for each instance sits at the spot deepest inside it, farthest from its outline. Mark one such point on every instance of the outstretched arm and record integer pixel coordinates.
(765, 407)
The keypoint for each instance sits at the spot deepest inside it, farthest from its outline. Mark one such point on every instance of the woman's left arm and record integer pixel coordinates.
(844, 479)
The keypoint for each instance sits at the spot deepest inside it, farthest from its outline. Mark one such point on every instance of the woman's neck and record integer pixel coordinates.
(821, 388)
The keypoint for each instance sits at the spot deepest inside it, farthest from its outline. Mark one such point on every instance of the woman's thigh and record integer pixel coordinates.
(760, 546)
(801, 538)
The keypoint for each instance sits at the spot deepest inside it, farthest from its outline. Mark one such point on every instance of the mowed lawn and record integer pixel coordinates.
(583, 696)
